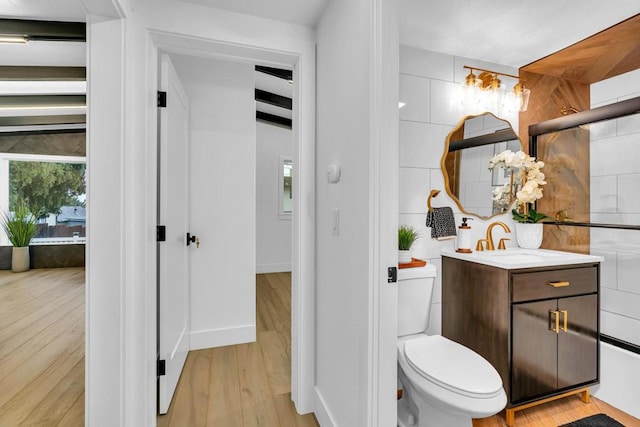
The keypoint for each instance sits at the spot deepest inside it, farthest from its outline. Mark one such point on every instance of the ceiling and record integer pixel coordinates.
(58, 10)
(303, 12)
(499, 31)
(503, 31)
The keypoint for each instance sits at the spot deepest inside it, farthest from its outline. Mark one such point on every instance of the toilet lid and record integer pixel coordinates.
(452, 366)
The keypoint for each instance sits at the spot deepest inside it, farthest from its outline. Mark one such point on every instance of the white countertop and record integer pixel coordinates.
(513, 258)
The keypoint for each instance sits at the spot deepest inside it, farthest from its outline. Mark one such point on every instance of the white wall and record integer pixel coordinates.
(342, 261)
(428, 86)
(273, 234)
(357, 130)
(105, 245)
(615, 178)
(223, 206)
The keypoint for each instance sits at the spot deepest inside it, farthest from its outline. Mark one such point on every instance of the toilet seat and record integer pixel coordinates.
(452, 366)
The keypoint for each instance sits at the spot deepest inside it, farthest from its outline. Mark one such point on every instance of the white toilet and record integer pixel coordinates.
(445, 384)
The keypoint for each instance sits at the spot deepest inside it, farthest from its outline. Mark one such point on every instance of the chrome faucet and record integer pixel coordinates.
(489, 238)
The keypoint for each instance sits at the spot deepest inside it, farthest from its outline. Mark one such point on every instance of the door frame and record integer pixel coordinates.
(303, 218)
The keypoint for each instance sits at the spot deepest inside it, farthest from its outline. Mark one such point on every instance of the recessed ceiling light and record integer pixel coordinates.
(401, 104)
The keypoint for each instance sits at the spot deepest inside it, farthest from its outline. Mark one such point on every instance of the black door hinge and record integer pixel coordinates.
(161, 233)
(162, 99)
(162, 368)
(392, 275)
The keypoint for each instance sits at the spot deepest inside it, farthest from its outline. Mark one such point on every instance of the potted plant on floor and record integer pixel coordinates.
(406, 236)
(20, 227)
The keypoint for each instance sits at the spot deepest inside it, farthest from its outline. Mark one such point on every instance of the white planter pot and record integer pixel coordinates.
(20, 259)
(529, 236)
(404, 257)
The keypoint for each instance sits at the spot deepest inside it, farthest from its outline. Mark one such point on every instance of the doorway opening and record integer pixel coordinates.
(301, 260)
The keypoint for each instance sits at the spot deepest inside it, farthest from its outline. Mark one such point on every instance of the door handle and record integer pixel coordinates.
(193, 239)
(554, 324)
(565, 321)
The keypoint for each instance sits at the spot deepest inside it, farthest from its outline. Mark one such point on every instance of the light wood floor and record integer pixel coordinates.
(248, 384)
(42, 348)
(42, 364)
(562, 411)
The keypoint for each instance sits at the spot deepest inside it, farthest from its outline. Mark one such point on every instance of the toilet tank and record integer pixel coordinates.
(415, 288)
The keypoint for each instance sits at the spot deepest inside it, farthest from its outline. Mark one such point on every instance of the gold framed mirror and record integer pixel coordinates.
(465, 163)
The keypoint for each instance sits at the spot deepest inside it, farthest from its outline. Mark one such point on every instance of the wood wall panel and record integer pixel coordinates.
(566, 158)
(58, 144)
(606, 54)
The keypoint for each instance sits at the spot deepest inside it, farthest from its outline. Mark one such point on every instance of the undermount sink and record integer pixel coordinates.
(522, 258)
(521, 255)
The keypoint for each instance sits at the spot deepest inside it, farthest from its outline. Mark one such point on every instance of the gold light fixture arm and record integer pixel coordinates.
(494, 72)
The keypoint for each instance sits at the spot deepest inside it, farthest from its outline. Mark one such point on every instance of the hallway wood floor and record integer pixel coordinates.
(248, 384)
(42, 347)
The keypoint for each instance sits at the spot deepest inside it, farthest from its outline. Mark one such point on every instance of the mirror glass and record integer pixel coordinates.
(465, 164)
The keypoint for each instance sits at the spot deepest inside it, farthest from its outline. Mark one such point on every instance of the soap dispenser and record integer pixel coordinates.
(464, 237)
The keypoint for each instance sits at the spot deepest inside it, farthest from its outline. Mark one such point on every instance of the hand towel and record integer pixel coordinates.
(442, 223)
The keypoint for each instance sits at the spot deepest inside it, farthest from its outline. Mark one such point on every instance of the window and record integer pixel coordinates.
(285, 169)
(54, 187)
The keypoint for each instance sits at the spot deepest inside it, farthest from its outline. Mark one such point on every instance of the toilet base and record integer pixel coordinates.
(428, 415)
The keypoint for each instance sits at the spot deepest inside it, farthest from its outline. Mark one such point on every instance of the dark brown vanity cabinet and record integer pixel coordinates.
(537, 326)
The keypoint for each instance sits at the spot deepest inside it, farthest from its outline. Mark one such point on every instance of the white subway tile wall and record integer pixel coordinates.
(428, 87)
(615, 180)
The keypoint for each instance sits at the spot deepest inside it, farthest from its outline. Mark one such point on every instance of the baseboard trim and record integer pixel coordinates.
(272, 268)
(221, 337)
(322, 413)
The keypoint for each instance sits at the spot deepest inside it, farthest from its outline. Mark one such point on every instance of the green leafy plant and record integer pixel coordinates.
(529, 216)
(20, 226)
(406, 236)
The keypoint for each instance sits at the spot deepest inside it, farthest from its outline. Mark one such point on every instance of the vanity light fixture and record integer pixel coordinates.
(488, 89)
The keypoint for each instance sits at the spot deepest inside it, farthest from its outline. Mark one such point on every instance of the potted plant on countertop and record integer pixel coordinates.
(525, 174)
(20, 227)
(406, 236)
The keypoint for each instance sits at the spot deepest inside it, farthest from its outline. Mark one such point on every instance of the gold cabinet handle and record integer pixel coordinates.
(565, 317)
(560, 284)
(555, 321)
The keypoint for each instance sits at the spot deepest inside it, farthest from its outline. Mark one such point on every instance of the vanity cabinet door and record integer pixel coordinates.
(578, 346)
(535, 350)
(549, 354)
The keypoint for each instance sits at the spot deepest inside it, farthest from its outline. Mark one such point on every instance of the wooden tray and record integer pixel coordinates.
(414, 263)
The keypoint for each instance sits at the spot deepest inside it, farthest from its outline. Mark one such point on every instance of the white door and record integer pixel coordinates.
(173, 213)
